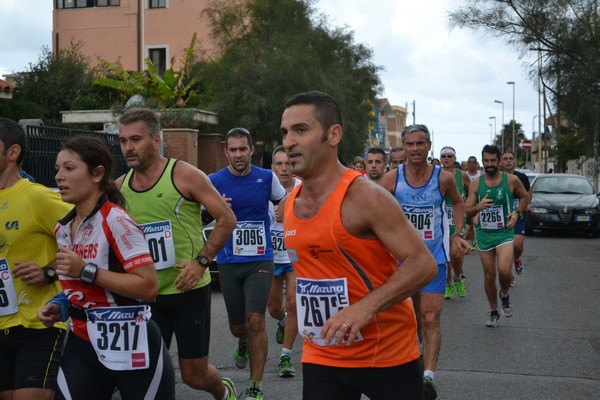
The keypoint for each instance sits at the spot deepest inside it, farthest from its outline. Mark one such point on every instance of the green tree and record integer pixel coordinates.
(566, 35)
(56, 82)
(270, 50)
(174, 88)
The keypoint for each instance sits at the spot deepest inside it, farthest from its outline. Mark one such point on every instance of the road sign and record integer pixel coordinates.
(526, 144)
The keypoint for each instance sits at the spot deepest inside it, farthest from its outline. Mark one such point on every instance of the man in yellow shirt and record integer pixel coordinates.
(29, 352)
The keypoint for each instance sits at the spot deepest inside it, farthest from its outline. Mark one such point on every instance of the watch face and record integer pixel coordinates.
(88, 273)
(203, 261)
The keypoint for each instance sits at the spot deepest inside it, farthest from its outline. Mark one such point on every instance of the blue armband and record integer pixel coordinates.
(63, 302)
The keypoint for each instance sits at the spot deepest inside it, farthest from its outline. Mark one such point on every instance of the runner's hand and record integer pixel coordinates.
(30, 273)
(188, 278)
(49, 314)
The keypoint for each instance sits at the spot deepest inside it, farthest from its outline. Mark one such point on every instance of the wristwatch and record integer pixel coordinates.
(88, 273)
(50, 274)
(203, 261)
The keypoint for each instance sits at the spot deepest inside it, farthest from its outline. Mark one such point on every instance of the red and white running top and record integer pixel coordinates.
(109, 238)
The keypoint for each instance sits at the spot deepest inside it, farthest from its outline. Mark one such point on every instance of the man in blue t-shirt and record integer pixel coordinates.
(246, 260)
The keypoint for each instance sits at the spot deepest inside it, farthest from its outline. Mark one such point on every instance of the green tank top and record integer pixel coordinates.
(449, 207)
(172, 224)
(495, 217)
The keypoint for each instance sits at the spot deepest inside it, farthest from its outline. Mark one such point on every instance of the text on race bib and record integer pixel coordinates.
(492, 217)
(317, 301)
(159, 236)
(249, 238)
(8, 294)
(422, 219)
(119, 336)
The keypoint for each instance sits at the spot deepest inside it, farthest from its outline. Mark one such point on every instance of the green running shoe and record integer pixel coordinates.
(229, 383)
(280, 332)
(254, 393)
(286, 369)
(240, 356)
(429, 390)
(449, 292)
(460, 289)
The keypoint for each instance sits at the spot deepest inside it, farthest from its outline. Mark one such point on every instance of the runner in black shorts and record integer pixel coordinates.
(104, 265)
(29, 351)
(182, 307)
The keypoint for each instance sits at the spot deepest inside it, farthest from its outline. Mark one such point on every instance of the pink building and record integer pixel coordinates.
(129, 31)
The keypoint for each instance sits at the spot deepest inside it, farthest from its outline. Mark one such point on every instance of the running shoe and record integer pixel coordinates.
(449, 292)
(473, 246)
(518, 266)
(240, 356)
(254, 393)
(461, 291)
(506, 307)
(429, 391)
(229, 383)
(286, 369)
(280, 332)
(494, 319)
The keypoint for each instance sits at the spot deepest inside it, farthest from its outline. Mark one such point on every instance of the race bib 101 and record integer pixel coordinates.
(159, 236)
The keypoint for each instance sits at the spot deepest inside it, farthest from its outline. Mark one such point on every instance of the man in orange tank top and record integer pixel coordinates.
(353, 301)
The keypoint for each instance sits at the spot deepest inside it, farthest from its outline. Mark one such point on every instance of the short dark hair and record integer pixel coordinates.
(491, 149)
(239, 133)
(509, 152)
(327, 110)
(377, 150)
(147, 116)
(396, 149)
(12, 133)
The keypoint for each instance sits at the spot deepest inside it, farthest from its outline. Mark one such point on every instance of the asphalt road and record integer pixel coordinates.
(549, 349)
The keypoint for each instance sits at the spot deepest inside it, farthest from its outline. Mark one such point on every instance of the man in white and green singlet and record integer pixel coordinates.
(491, 198)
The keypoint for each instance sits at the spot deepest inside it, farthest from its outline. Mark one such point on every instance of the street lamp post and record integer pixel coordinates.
(494, 118)
(513, 117)
(490, 133)
(502, 130)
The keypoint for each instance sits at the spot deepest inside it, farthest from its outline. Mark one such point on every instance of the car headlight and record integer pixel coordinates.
(592, 211)
(539, 210)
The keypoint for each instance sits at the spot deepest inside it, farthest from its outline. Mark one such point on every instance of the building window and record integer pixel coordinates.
(158, 3)
(108, 3)
(86, 3)
(158, 56)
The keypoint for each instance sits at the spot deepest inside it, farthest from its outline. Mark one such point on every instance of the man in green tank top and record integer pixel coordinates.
(491, 199)
(457, 256)
(164, 196)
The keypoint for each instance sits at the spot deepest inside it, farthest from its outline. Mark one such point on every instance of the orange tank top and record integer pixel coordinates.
(335, 269)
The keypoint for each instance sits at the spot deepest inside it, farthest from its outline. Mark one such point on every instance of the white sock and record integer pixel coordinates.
(226, 393)
(429, 374)
(286, 352)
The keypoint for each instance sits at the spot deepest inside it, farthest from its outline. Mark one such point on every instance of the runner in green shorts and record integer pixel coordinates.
(491, 197)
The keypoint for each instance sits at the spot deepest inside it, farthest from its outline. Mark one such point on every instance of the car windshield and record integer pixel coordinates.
(562, 185)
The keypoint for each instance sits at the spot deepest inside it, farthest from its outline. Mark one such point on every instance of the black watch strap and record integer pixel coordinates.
(50, 274)
(203, 261)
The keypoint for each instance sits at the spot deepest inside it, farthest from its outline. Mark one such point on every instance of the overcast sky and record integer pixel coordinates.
(453, 76)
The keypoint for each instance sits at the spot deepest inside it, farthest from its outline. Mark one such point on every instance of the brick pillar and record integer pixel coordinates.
(182, 144)
(211, 157)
